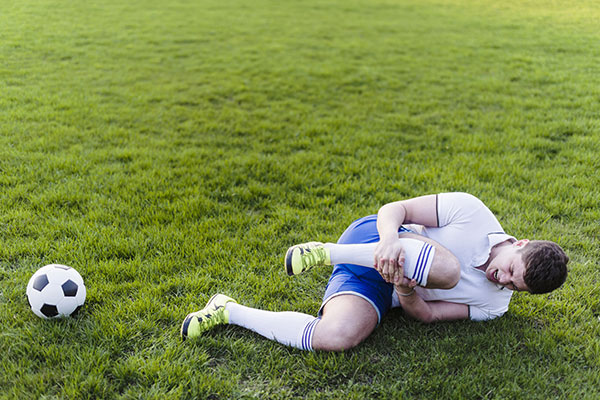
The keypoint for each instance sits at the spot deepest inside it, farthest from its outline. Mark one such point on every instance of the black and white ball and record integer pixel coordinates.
(55, 291)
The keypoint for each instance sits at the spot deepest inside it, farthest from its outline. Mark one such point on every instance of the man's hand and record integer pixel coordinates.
(405, 286)
(389, 262)
(388, 256)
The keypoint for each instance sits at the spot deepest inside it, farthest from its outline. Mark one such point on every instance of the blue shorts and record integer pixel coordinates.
(357, 280)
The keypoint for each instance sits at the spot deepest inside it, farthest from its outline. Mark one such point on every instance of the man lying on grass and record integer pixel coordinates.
(455, 263)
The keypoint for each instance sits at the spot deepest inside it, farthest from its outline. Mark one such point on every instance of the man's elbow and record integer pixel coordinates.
(426, 319)
(433, 316)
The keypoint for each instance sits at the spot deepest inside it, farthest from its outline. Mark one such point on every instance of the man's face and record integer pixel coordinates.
(507, 268)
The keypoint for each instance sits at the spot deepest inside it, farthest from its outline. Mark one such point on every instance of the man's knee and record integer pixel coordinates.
(445, 267)
(445, 270)
(337, 337)
(347, 321)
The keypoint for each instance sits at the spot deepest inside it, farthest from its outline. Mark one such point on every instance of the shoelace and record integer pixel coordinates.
(313, 257)
(217, 317)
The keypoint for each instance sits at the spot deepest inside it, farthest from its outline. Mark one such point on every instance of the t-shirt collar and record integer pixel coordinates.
(494, 238)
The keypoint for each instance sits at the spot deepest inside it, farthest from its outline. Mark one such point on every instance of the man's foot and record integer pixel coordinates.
(302, 257)
(213, 314)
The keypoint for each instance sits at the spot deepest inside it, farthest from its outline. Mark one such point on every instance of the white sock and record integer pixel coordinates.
(417, 261)
(287, 327)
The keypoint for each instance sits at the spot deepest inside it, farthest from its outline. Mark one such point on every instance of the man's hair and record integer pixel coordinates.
(545, 266)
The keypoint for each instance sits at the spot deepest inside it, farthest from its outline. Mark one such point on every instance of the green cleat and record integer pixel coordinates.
(213, 314)
(302, 257)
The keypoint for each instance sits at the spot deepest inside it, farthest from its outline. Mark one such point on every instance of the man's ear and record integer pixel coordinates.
(522, 243)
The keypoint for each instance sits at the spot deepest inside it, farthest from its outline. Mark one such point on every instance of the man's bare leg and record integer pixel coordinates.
(347, 320)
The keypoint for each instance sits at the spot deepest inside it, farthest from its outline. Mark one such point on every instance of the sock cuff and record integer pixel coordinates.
(307, 335)
(424, 263)
(419, 258)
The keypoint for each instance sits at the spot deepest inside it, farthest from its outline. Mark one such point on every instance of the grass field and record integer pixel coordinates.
(171, 150)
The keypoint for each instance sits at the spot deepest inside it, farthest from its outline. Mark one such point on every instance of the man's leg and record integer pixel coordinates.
(347, 320)
(288, 328)
(445, 267)
(428, 262)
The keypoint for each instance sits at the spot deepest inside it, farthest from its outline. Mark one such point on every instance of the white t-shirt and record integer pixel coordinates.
(469, 230)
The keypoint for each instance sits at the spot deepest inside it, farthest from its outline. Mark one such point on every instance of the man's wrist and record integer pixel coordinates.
(404, 291)
(388, 238)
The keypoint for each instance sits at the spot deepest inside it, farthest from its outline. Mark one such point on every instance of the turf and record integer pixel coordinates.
(171, 150)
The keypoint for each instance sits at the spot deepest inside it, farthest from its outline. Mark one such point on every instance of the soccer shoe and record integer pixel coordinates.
(213, 314)
(302, 257)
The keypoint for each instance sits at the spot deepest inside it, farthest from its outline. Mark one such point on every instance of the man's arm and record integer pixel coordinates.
(416, 307)
(419, 210)
(430, 311)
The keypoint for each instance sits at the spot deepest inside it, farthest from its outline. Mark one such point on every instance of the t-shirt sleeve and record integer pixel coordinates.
(480, 314)
(454, 208)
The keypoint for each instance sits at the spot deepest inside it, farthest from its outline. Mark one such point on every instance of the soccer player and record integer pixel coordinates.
(439, 257)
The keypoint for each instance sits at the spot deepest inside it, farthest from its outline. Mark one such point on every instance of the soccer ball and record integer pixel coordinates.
(55, 291)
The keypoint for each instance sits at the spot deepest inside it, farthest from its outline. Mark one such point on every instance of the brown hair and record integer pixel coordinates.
(545, 266)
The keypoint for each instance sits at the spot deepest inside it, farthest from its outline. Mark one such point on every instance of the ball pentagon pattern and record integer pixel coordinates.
(55, 291)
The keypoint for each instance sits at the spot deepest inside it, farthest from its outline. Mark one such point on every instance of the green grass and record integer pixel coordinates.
(171, 150)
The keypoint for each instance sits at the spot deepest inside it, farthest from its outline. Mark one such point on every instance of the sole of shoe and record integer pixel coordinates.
(288, 261)
(184, 326)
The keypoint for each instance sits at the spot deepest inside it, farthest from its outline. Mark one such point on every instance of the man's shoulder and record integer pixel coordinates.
(464, 208)
(460, 198)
